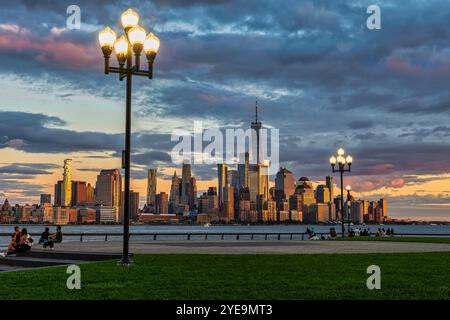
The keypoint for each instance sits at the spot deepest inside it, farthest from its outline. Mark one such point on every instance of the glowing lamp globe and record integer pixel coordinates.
(151, 44)
(107, 37)
(349, 159)
(136, 35)
(333, 160)
(129, 19)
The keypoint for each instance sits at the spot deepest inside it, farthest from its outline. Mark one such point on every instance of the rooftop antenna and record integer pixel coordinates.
(256, 110)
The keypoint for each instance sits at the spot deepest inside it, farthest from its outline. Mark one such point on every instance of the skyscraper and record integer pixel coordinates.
(228, 203)
(257, 149)
(322, 194)
(285, 182)
(108, 189)
(66, 194)
(90, 194)
(222, 180)
(258, 181)
(243, 170)
(175, 193)
(382, 203)
(58, 193)
(151, 187)
(192, 193)
(330, 186)
(79, 193)
(161, 203)
(185, 181)
(133, 205)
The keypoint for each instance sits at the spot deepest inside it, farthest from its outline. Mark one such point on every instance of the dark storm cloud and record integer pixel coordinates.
(32, 133)
(360, 124)
(28, 168)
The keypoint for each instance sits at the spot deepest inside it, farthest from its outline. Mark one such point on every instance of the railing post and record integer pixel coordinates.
(189, 236)
(221, 237)
(303, 236)
(154, 236)
(81, 237)
(206, 236)
(279, 236)
(290, 237)
(265, 236)
(252, 236)
(237, 236)
(106, 237)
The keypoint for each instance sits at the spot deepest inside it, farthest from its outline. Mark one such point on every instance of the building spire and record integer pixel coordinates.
(256, 110)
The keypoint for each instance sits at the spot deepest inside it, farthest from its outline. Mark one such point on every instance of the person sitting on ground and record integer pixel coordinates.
(392, 232)
(312, 233)
(44, 236)
(57, 236)
(333, 233)
(15, 240)
(351, 233)
(26, 242)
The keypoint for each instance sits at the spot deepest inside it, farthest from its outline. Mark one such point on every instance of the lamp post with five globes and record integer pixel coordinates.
(134, 39)
(341, 161)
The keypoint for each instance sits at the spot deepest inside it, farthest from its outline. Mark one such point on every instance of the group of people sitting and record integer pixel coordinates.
(366, 232)
(49, 240)
(21, 241)
(384, 233)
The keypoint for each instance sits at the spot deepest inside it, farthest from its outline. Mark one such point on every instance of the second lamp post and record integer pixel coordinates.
(134, 40)
(344, 165)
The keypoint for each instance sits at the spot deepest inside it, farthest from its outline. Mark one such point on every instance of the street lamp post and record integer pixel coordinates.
(341, 161)
(135, 40)
(349, 203)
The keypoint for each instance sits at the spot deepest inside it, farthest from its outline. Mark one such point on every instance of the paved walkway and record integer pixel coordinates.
(259, 247)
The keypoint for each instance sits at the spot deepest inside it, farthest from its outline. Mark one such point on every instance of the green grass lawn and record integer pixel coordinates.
(324, 276)
(400, 239)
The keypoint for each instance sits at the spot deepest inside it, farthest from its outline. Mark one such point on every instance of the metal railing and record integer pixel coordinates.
(101, 236)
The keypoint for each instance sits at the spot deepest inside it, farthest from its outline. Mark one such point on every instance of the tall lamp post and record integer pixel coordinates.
(349, 204)
(341, 162)
(134, 40)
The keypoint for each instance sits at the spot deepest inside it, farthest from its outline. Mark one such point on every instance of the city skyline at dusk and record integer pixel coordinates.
(308, 63)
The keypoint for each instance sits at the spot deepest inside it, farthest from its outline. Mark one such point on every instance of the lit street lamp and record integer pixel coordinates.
(134, 40)
(341, 161)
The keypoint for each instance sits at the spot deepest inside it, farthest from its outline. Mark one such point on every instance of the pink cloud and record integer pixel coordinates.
(400, 65)
(14, 28)
(397, 183)
(379, 169)
(47, 50)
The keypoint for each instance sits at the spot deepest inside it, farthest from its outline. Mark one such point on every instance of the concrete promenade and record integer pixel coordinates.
(253, 247)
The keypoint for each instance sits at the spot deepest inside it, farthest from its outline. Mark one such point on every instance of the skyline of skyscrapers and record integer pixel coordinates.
(242, 193)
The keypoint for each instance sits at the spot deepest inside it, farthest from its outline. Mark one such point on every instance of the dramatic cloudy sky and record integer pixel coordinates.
(321, 77)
